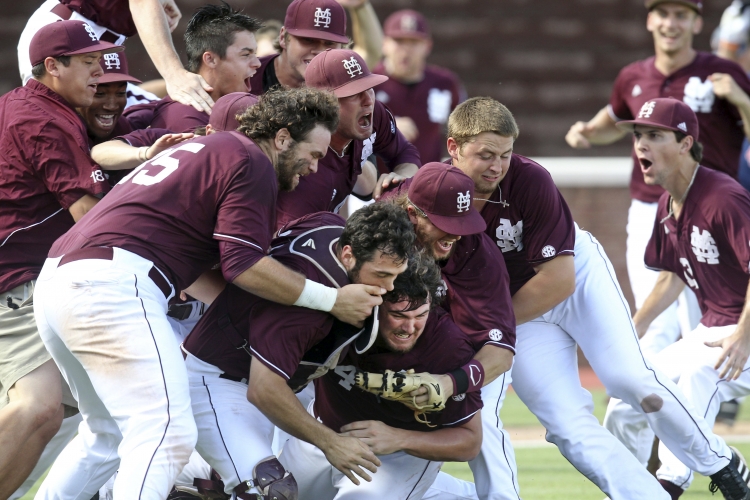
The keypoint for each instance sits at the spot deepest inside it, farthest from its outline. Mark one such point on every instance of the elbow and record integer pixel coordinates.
(470, 451)
(254, 395)
(569, 288)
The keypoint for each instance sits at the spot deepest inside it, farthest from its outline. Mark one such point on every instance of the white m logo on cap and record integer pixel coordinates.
(646, 110)
(90, 31)
(463, 201)
(112, 61)
(322, 17)
(352, 67)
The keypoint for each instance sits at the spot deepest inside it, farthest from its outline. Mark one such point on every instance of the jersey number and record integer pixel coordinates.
(347, 376)
(688, 272)
(164, 159)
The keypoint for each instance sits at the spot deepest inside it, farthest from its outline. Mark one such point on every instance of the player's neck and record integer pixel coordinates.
(285, 73)
(679, 186)
(211, 79)
(667, 63)
(339, 144)
(414, 76)
(267, 148)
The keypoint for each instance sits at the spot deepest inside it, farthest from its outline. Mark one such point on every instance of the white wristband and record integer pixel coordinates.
(317, 296)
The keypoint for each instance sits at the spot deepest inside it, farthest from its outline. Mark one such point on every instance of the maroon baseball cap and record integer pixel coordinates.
(406, 24)
(696, 5)
(67, 38)
(665, 112)
(445, 195)
(115, 67)
(342, 71)
(321, 19)
(224, 113)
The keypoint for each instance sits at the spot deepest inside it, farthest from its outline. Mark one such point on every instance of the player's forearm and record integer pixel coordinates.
(153, 28)
(744, 108)
(272, 280)
(406, 169)
(367, 32)
(603, 129)
(207, 287)
(451, 444)
(495, 361)
(666, 290)
(554, 282)
(367, 180)
(118, 155)
(82, 206)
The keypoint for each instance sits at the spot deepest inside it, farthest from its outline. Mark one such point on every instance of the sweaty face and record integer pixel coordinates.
(301, 158)
(673, 27)
(300, 51)
(400, 329)
(239, 64)
(439, 244)
(107, 107)
(486, 159)
(381, 271)
(77, 82)
(355, 115)
(658, 153)
(405, 57)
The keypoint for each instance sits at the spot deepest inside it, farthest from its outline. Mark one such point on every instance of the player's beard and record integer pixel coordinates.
(288, 166)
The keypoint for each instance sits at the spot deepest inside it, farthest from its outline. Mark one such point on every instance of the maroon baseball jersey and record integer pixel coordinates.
(239, 324)
(441, 348)
(46, 168)
(720, 123)
(220, 205)
(112, 14)
(708, 247)
(327, 189)
(166, 113)
(528, 219)
(427, 102)
(265, 78)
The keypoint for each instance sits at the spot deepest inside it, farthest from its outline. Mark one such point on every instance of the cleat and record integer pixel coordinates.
(732, 479)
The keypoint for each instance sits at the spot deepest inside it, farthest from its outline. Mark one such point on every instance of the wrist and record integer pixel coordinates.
(468, 378)
(317, 296)
(143, 154)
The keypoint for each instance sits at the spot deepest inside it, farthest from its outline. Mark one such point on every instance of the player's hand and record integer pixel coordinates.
(386, 182)
(354, 303)
(165, 142)
(577, 136)
(726, 88)
(734, 354)
(381, 438)
(407, 127)
(190, 89)
(173, 13)
(350, 456)
(422, 395)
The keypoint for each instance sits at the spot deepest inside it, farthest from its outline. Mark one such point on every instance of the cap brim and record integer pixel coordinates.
(118, 77)
(103, 47)
(413, 35)
(469, 223)
(629, 125)
(691, 5)
(320, 35)
(354, 87)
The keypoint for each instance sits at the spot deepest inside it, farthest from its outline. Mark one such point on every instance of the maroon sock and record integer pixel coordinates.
(671, 488)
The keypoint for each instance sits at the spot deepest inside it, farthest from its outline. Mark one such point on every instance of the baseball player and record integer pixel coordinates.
(700, 239)
(365, 127)
(244, 340)
(564, 296)
(411, 448)
(716, 89)
(47, 181)
(102, 295)
(420, 95)
(114, 21)
(220, 45)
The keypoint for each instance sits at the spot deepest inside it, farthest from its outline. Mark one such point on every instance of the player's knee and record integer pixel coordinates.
(273, 481)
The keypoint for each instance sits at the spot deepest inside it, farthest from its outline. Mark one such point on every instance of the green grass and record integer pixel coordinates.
(544, 474)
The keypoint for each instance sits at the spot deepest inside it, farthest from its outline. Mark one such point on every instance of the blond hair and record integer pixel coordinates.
(480, 114)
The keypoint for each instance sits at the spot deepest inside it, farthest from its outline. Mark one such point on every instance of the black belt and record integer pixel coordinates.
(107, 253)
(65, 13)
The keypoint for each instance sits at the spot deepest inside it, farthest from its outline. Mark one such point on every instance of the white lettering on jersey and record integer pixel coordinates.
(637, 90)
(439, 105)
(309, 243)
(352, 67)
(322, 18)
(459, 397)
(689, 277)
(463, 201)
(98, 176)
(347, 374)
(164, 159)
(334, 194)
(704, 246)
(699, 95)
(367, 147)
(509, 237)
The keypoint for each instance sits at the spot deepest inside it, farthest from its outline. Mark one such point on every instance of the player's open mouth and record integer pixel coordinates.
(445, 246)
(365, 121)
(247, 83)
(645, 164)
(105, 121)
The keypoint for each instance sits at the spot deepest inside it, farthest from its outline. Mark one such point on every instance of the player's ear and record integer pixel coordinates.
(698, 25)
(51, 66)
(686, 144)
(453, 148)
(347, 257)
(412, 212)
(282, 38)
(283, 139)
(209, 59)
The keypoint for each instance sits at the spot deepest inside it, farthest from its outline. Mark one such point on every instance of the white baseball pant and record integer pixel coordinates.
(233, 435)
(690, 363)
(400, 476)
(104, 323)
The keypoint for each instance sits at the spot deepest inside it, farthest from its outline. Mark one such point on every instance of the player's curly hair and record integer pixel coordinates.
(418, 284)
(297, 110)
(379, 226)
(480, 114)
(212, 29)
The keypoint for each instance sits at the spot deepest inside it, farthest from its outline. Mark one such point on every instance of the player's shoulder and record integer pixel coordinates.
(718, 193)
(474, 250)
(523, 169)
(444, 345)
(636, 70)
(438, 74)
(714, 63)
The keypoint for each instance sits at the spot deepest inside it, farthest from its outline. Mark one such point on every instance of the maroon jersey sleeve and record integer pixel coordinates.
(143, 137)
(733, 223)
(617, 103)
(390, 144)
(178, 117)
(660, 254)
(140, 116)
(478, 293)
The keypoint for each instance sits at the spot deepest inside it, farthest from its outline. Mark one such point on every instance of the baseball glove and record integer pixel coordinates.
(396, 386)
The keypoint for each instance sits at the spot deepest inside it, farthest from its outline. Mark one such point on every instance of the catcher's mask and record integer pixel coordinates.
(366, 337)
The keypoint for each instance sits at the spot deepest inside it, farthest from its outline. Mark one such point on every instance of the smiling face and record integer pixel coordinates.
(400, 329)
(299, 51)
(659, 153)
(436, 242)
(107, 107)
(299, 159)
(77, 82)
(232, 73)
(485, 158)
(355, 115)
(673, 27)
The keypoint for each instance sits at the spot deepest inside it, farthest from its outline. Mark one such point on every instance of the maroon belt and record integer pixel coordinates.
(106, 253)
(65, 13)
